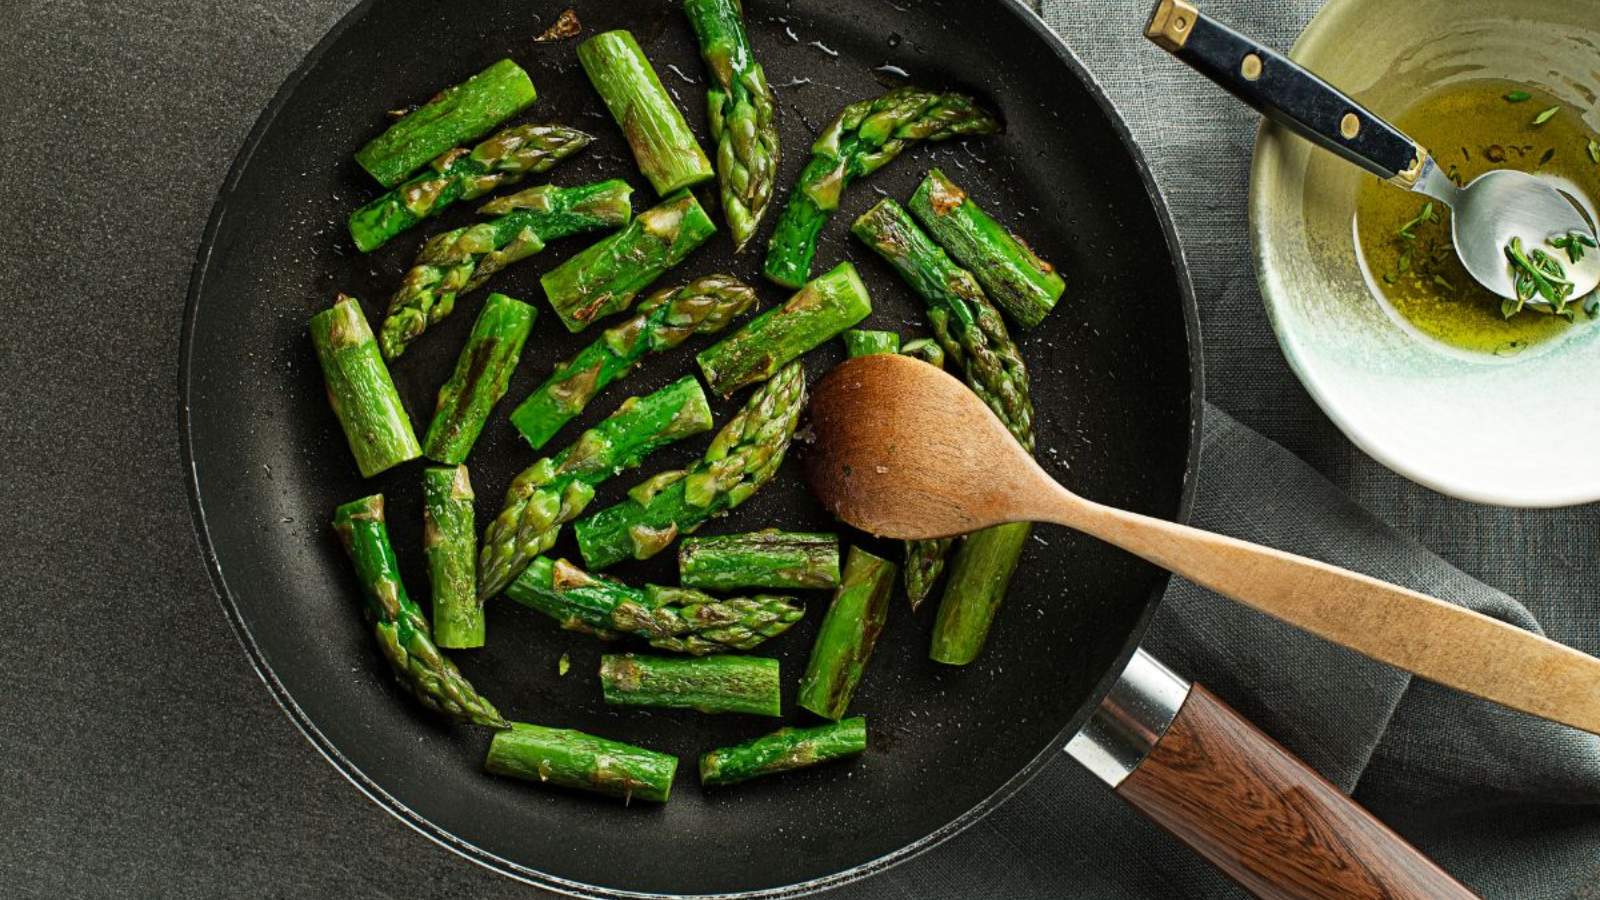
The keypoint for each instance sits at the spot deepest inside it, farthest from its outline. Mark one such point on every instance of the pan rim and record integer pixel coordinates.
(368, 786)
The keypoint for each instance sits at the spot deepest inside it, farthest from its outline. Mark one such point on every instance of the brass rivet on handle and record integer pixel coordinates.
(1250, 68)
(1349, 126)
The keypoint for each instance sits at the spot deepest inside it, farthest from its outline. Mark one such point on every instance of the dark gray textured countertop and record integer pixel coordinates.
(139, 754)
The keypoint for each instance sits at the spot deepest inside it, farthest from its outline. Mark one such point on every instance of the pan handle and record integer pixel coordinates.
(1284, 92)
(1181, 756)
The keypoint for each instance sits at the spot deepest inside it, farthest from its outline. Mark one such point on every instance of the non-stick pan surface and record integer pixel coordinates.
(1115, 383)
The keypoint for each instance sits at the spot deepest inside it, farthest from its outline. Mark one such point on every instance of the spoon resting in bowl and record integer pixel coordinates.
(1486, 213)
(904, 450)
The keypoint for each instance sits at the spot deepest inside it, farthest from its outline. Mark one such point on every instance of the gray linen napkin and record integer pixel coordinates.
(1507, 802)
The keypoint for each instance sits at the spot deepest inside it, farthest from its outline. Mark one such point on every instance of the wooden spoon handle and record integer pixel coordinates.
(1259, 814)
(1448, 644)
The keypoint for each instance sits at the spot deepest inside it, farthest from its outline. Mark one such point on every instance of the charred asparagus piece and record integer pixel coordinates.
(401, 630)
(674, 619)
(360, 390)
(556, 489)
(457, 115)
(708, 684)
(1012, 275)
(865, 137)
(743, 456)
(605, 278)
(482, 373)
(826, 306)
(865, 342)
(662, 143)
(743, 115)
(572, 759)
(663, 320)
(459, 261)
(763, 559)
(462, 174)
(848, 633)
(784, 750)
(450, 541)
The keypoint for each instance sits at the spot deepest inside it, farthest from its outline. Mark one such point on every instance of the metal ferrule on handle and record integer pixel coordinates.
(1131, 719)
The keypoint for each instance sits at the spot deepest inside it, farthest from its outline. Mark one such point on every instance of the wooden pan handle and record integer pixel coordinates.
(1263, 817)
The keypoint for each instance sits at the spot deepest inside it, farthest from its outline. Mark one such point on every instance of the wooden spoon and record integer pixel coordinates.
(904, 450)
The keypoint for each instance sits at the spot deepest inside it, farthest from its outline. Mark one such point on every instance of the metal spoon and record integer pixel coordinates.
(1491, 210)
(904, 450)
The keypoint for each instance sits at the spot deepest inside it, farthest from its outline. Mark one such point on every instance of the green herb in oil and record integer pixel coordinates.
(1573, 243)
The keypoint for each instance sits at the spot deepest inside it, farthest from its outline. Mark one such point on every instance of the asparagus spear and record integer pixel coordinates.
(784, 750)
(979, 576)
(925, 349)
(971, 329)
(743, 456)
(865, 342)
(461, 260)
(449, 539)
(605, 278)
(848, 633)
(865, 137)
(709, 684)
(572, 759)
(462, 174)
(556, 489)
(1013, 276)
(458, 114)
(743, 115)
(482, 373)
(663, 320)
(675, 619)
(826, 306)
(401, 630)
(360, 390)
(763, 559)
(662, 143)
(974, 334)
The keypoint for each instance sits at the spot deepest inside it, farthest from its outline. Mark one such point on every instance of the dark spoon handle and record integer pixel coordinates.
(1284, 92)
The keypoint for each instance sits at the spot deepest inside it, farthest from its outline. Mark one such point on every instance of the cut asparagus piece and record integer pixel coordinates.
(556, 489)
(743, 115)
(663, 320)
(865, 342)
(979, 576)
(459, 261)
(973, 334)
(849, 632)
(482, 373)
(360, 390)
(708, 684)
(662, 143)
(743, 456)
(572, 759)
(865, 137)
(925, 349)
(763, 559)
(605, 278)
(461, 174)
(970, 327)
(1013, 276)
(674, 619)
(784, 750)
(401, 630)
(450, 541)
(826, 306)
(459, 114)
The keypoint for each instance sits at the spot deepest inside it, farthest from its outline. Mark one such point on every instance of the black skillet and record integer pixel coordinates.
(1116, 373)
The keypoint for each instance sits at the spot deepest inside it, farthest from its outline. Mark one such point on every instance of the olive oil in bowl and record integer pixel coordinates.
(1403, 238)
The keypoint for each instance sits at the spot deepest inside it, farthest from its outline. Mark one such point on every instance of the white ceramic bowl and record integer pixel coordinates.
(1523, 431)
